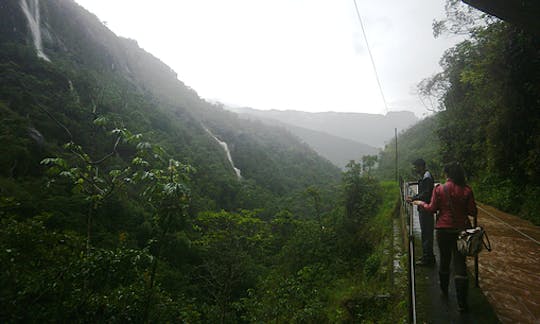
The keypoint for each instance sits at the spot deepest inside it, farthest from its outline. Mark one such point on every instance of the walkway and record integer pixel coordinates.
(432, 307)
(509, 275)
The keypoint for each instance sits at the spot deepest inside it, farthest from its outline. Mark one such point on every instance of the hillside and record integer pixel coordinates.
(120, 200)
(337, 150)
(371, 129)
(93, 73)
(419, 141)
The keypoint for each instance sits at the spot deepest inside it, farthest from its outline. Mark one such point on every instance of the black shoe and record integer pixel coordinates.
(461, 293)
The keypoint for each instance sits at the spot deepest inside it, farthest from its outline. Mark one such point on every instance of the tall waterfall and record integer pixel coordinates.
(226, 148)
(31, 11)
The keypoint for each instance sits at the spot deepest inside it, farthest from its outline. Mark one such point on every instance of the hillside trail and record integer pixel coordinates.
(509, 275)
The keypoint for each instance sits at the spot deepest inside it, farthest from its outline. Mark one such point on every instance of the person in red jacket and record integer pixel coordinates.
(455, 202)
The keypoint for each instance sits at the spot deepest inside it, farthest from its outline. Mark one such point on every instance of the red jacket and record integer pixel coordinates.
(463, 205)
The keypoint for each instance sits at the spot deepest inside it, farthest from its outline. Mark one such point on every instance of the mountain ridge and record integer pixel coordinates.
(337, 150)
(371, 129)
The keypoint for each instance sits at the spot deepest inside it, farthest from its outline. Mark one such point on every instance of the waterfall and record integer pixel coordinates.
(226, 148)
(31, 11)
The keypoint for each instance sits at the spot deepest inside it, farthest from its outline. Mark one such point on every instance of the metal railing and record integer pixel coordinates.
(407, 225)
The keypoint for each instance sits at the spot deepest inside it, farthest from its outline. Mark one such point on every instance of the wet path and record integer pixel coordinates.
(510, 274)
(432, 307)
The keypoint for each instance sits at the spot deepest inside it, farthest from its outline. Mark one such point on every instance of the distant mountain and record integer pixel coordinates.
(371, 129)
(337, 150)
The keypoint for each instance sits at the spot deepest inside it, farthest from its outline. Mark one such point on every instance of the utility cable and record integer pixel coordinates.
(510, 226)
(371, 56)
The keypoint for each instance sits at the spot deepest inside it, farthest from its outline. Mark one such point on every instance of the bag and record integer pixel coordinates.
(471, 241)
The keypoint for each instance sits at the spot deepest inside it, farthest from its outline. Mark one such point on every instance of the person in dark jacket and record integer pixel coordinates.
(455, 202)
(425, 188)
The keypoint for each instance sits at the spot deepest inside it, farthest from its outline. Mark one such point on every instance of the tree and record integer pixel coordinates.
(368, 163)
(232, 249)
(165, 191)
(461, 19)
(489, 108)
(360, 195)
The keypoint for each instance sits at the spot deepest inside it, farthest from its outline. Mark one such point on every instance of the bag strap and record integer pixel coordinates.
(447, 195)
(488, 245)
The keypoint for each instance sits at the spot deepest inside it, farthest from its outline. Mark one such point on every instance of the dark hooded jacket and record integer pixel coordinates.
(425, 188)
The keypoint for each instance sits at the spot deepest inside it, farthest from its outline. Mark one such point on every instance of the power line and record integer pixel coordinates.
(371, 56)
(512, 227)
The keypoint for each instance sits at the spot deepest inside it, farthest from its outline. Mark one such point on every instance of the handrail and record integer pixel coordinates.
(407, 221)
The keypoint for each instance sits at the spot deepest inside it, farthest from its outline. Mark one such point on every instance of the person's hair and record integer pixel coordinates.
(419, 162)
(455, 172)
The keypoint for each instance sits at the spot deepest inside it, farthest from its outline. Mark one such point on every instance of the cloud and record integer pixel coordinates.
(283, 54)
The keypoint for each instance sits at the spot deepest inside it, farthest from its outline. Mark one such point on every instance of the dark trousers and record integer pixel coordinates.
(448, 252)
(426, 228)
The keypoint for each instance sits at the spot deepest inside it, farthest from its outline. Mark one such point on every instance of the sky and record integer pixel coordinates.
(307, 55)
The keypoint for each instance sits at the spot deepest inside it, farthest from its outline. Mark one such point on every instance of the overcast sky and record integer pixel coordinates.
(307, 55)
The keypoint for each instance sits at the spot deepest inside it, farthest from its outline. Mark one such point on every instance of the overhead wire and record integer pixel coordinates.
(371, 57)
(508, 225)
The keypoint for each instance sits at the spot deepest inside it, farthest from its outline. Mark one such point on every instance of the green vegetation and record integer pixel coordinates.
(116, 205)
(327, 264)
(420, 140)
(489, 116)
(338, 268)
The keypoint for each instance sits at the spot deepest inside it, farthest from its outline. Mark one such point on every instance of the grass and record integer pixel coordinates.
(373, 295)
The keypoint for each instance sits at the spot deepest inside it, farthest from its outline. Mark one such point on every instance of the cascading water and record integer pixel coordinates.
(226, 148)
(31, 12)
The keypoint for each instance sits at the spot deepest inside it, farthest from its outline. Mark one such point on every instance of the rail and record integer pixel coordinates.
(407, 223)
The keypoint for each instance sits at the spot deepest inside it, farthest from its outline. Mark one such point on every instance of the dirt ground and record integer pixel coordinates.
(509, 275)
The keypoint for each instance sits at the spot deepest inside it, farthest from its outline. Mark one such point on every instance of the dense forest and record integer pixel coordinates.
(119, 204)
(487, 112)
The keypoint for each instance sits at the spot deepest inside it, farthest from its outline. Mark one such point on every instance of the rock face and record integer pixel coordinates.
(32, 13)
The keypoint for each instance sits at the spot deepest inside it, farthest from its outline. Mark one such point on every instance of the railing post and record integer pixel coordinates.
(397, 174)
